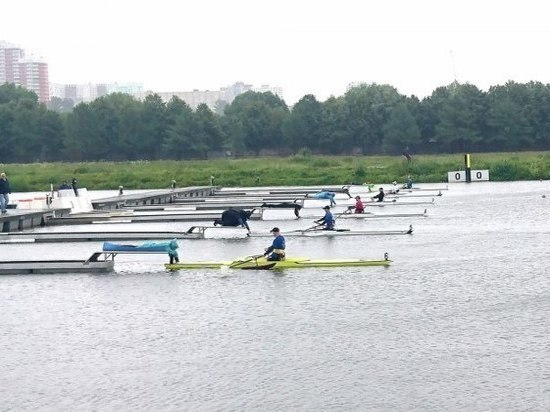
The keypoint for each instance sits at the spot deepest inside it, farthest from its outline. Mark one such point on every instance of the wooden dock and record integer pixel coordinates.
(154, 197)
(53, 237)
(21, 219)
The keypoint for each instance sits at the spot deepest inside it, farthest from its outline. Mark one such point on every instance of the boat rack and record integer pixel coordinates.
(110, 255)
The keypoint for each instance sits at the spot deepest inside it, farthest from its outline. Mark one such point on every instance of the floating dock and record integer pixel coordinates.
(51, 237)
(98, 262)
(20, 219)
(153, 197)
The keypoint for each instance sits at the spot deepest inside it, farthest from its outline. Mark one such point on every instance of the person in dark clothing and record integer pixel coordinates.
(64, 186)
(235, 217)
(407, 154)
(73, 185)
(5, 191)
(380, 196)
(277, 249)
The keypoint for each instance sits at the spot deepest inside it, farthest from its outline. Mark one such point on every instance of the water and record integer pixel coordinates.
(460, 321)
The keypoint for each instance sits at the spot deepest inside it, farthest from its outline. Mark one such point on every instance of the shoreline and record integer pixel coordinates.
(294, 170)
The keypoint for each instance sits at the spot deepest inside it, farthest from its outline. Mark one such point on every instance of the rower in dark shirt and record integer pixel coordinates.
(380, 196)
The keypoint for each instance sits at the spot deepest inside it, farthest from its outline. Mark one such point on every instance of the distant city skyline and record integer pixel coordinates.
(88, 92)
(32, 73)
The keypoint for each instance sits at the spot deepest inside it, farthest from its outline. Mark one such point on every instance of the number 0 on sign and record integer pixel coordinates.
(460, 176)
(454, 177)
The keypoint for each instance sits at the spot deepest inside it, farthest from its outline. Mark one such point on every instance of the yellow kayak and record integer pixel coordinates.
(289, 263)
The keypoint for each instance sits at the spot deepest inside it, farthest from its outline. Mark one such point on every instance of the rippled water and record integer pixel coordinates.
(460, 321)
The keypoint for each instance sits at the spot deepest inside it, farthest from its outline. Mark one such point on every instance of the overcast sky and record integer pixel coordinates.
(304, 46)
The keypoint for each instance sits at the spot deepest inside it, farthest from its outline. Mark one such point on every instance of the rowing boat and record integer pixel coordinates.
(337, 232)
(157, 247)
(349, 214)
(255, 262)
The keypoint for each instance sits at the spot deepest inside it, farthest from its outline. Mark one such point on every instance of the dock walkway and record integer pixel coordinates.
(154, 197)
(21, 219)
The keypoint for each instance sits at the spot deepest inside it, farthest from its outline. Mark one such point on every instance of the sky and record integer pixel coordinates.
(313, 47)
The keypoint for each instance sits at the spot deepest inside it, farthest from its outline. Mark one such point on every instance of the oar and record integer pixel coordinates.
(248, 259)
(345, 212)
(310, 228)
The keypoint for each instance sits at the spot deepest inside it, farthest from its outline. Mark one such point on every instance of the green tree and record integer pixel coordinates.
(10, 93)
(460, 110)
(369, 107)
(302, 127)
(60, 105)
(208, 130)
(400, 130)
(335, 135)
(253, 121)
(153, 128)
(52, 131)
(180, 135)
(108, 128)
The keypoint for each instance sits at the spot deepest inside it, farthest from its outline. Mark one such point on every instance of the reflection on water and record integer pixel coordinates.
(459, 321)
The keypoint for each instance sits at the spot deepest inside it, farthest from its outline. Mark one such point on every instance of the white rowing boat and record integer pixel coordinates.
(313, 232)
(370, 215)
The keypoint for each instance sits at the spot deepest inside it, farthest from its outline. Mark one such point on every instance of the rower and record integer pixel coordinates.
(327, 220)
(235, 217)
(277, 249)
(395, 189)
(380, 196)
(409, 183)
(359, 207)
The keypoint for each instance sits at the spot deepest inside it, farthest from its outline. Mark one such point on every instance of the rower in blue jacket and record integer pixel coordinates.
(327, 220)
(277, 249)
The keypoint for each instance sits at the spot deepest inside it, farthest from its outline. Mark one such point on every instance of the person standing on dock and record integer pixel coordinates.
(73, 185)
(277, 249)
(327, 220)
(173, 251)
(5, 191)
(380, 196)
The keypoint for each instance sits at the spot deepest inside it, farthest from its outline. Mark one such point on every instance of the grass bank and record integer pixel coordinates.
(294, 170)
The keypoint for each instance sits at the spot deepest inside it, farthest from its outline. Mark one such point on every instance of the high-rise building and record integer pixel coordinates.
(30, 73)
(9, 59)
(34, 76)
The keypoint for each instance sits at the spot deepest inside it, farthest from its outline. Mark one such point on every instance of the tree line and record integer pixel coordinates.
(367, 119)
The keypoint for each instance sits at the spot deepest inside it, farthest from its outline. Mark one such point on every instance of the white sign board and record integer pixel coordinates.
(460, 176)
(480, 175)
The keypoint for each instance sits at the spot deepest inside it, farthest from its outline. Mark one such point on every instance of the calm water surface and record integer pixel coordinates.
(460, 321)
